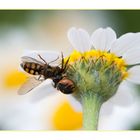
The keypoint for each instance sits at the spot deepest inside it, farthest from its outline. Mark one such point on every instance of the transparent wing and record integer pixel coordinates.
(52, 58)
(45, 90)
(30, 59)
(30, 84)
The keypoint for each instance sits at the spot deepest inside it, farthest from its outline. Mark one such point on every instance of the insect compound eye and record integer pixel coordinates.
(66, 86)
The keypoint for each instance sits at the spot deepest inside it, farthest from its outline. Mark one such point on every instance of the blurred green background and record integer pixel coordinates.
(22, 30)
(124, 20)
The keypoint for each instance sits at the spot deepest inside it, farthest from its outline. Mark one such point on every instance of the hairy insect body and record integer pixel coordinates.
(56, 73)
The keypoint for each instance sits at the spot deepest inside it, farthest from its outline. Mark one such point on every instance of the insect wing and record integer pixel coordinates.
(29, 85)
(47, 89)
(31, 60)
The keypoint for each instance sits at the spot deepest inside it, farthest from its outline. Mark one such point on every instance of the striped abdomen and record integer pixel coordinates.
(32, 68)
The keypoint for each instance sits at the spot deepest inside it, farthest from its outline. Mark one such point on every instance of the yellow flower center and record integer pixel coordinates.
(95, 55)
(14, 78)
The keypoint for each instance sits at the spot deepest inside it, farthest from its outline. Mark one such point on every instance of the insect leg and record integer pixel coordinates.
(62, 63)
(65, 67)
(39, 78)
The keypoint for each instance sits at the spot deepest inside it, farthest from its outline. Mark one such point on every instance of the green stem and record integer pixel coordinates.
(91, 108)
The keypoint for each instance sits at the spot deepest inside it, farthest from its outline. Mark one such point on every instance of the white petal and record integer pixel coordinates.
(103, 38)
(134, 75)
(125, 42)
(43, 91)
(132, 56)
(48, 56)
(123, 97)
(79, 39)
(106, 109)
(75, 104)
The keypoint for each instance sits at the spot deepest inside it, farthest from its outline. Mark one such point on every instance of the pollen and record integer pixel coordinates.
(106, 59)
(74, 56)
(66, 118)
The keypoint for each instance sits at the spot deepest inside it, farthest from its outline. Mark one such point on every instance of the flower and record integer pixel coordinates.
(124, 51)
(104, 51)
(97, 66)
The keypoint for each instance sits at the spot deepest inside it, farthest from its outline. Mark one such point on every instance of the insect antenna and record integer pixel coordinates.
(42, 58)
(45, 61)
(54, 60)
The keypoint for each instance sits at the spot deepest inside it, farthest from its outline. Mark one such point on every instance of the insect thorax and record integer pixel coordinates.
(50, 71)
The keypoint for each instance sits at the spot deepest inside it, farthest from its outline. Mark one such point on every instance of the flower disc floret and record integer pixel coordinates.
(99, 72)
(106, 58)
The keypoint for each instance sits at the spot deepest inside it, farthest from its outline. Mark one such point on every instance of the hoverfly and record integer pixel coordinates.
(46, 71)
